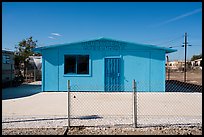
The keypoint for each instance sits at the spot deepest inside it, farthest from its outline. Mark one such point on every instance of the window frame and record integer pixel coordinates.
(75, 74)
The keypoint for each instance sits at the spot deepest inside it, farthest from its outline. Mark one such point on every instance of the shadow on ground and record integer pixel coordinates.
(59, 118)
(20, 91)
(178, 86)
(29, 89)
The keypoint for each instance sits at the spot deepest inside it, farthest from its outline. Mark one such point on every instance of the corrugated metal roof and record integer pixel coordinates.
(167, 50)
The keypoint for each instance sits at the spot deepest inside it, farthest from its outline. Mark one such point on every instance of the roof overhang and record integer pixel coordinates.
(167, 50)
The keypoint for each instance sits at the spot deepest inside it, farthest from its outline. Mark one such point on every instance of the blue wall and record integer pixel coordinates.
(144, 64)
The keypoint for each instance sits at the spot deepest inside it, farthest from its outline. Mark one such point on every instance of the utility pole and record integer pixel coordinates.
(167, 67)
(185, 46)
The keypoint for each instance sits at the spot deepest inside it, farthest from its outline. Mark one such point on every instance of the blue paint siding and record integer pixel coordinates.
(145, 65)
(157, 71)
(50, 70)
(136, 66)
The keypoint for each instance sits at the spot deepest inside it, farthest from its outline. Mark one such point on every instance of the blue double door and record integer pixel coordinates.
(113, 74)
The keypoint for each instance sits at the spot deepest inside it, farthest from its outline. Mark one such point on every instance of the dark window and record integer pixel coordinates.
(70, 64)
(76, 64)
(83, 64)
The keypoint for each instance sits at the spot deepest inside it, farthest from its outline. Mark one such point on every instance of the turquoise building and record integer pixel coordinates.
(103, 64)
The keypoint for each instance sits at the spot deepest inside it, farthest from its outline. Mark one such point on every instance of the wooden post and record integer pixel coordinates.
(134, 105)
(34, 73)
(68, 95)
(185, 46)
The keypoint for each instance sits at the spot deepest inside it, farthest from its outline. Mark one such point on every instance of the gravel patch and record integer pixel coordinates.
(161, 130)
(33, 131)
(94, 120)
(34, 121)
(171, 130)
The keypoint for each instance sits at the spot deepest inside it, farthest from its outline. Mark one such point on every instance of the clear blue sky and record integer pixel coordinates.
(158, 23)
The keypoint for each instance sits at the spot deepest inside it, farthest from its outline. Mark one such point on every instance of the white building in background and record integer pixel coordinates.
(175, 65)
(178, 65)
(36, 61)
(34, 67)
(197, 63)
(7, 66)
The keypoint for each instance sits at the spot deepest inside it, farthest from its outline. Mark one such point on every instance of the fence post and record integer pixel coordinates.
(134, 105)
(68, 101)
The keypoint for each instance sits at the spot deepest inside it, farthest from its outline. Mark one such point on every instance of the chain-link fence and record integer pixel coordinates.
(26, 106)
(179, 86)
(178, 104)
(132, 105)
(169, 108)
(101, 108)
(192, 75)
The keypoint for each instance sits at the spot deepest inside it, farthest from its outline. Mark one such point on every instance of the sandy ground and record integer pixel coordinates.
(49, 109)
(192, 76)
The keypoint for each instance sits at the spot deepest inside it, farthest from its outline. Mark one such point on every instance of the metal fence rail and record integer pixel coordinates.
(101, 108)
(178, 105)
(181, 103)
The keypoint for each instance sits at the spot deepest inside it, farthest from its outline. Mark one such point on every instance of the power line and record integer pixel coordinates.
(150, 40)
(183, 46)
(174, 46)
(173, 40)
(195, 45)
